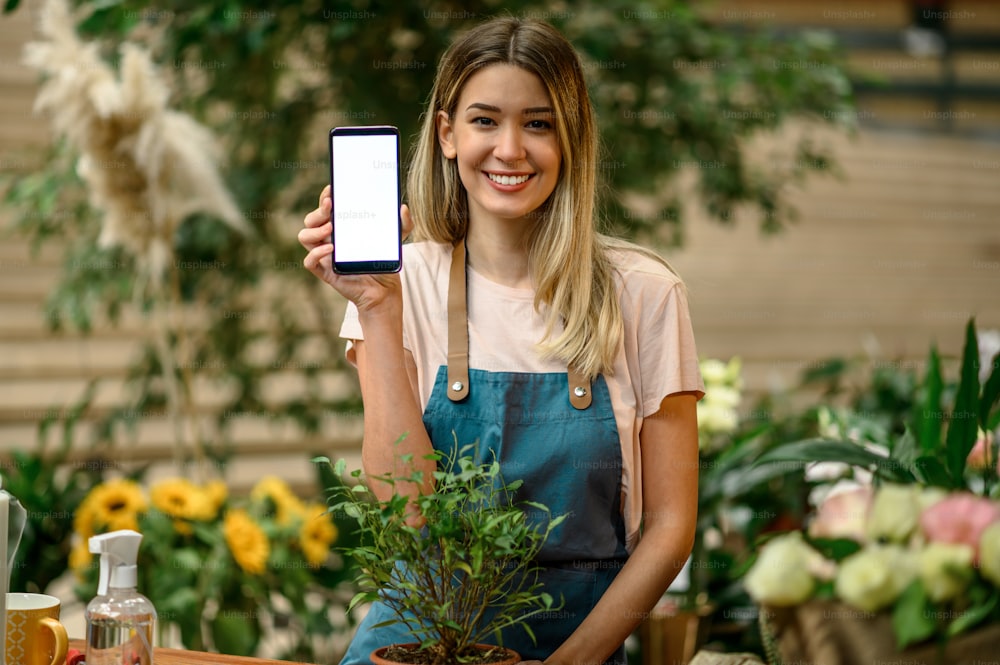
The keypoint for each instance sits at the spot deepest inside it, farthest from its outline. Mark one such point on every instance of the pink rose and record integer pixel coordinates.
(843, 515)
(980, 457)
(959, 519)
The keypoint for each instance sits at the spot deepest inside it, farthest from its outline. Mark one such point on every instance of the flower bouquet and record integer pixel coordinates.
(905, 565)
(222, 570)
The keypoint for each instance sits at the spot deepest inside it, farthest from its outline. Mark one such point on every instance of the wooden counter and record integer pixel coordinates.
(162, 656)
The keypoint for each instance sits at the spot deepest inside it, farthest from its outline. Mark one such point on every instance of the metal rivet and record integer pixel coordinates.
(457, 386)
(579, 391)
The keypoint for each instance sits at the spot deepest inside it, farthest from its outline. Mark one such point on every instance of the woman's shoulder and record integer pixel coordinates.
(638, 268)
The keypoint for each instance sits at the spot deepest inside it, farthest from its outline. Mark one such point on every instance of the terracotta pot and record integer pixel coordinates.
(378, 659)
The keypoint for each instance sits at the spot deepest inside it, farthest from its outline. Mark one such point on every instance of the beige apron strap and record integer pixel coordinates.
(458, 327)
(458, 340)
(579, 389)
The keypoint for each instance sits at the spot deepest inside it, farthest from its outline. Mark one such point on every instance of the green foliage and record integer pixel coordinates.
(446, 556)
(937, 454)
(49, 486)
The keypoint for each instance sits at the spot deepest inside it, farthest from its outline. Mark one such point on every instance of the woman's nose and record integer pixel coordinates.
(509, 148)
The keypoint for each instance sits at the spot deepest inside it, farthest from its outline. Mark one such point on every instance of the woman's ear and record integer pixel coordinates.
(446, 134)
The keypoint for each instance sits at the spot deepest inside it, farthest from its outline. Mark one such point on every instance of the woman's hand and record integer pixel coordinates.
(365, 291)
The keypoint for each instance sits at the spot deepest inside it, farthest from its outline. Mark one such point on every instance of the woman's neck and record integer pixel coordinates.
(499, 253)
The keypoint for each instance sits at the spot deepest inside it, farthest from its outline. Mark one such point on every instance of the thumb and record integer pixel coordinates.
(406, 219)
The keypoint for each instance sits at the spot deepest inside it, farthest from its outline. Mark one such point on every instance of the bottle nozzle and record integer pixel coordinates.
(119, 551)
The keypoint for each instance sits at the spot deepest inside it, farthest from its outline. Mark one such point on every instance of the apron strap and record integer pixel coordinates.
(458, 327)
(458, 340)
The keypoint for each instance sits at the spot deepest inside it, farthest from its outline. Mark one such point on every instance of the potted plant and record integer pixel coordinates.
(904, 564)
(443, 560)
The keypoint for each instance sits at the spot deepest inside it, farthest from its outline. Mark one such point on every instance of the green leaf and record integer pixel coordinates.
(964, 417)
(10, 5)
(931, 471)
(991, 394)
(930, 417)
(827, 450)
(911, 620)
(236, 630)
(973, 615)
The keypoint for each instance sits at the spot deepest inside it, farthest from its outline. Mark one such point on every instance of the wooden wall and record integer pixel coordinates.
(898, 252)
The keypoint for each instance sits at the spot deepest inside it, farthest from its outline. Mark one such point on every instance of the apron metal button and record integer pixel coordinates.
(457, 386)
(579, 391)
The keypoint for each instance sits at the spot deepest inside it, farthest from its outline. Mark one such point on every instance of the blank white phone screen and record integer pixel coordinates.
(365, 198)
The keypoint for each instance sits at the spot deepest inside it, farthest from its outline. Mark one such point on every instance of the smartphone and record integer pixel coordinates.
(364, 186)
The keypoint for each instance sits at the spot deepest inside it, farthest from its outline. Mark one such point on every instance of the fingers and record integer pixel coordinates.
(407, 220)
(325, 194)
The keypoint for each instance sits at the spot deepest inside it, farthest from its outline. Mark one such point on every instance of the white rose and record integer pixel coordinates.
(894, 514)
(714, 417)
(780, 576)
(945, 570)
(713, 371)
(989, 553)
(874, 577)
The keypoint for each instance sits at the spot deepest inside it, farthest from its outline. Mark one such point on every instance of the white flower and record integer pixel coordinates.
(989, 553)
(715, 418)
(945, 570)
(895, 513)
(781, 575)
(713, 371)
(875, 577)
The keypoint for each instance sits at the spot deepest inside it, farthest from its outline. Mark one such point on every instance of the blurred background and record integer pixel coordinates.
(825, 176)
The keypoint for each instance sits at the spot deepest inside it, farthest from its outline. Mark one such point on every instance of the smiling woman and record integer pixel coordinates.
(566, 355)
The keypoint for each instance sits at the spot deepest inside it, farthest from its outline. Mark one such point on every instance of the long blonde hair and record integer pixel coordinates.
(567, 257)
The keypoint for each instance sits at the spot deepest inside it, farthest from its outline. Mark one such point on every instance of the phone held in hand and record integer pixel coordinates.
(364, 187)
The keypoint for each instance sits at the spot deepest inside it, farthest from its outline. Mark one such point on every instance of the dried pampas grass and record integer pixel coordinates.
(146, 167)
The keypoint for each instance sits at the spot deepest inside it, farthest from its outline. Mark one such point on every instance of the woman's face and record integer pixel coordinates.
(504, 141)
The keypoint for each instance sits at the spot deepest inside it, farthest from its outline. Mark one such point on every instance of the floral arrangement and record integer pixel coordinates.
(218, 565)
(919, 536)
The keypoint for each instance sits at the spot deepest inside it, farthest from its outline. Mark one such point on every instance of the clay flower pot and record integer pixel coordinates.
(378, 656)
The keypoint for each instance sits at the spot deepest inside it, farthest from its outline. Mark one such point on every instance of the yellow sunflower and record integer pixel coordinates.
(246, 541)
(79, 558)
(318, 532)
(110, 506)
(287, 506)
(217, 493)
(181, 499)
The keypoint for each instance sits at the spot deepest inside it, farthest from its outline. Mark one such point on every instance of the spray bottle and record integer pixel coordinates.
(119, 620)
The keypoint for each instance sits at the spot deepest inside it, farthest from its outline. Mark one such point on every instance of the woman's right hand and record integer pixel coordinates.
(366, 291)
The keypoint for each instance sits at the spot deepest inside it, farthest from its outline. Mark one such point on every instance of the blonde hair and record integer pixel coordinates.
(567, 257)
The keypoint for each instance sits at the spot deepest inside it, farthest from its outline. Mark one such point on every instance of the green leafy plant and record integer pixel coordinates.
(470, 552)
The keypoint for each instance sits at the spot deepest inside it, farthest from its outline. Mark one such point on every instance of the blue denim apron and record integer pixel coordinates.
(568, 454)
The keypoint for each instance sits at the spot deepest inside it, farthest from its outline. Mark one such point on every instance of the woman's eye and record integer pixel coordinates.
(482, 120)
(540, 124)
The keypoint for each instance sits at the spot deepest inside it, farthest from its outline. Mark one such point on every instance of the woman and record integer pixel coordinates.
(570, 355)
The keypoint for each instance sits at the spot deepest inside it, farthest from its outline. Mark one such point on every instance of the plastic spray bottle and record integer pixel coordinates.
(119, 620)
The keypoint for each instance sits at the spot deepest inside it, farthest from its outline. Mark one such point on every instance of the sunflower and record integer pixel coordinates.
(182, 500)
(79, 558)
(246, 541)
(287, 506)
(217, 493)
(318, 532)
(110, 506)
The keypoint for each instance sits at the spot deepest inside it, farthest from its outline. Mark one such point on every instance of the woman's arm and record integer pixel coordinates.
(669, 442)
(393, 424)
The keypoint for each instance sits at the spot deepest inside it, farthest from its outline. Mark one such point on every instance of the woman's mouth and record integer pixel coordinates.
(508, 179)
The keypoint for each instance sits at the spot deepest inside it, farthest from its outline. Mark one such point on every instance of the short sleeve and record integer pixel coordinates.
(668, 357)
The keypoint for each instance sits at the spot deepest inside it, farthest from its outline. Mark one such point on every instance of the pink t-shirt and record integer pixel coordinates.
(657, 356)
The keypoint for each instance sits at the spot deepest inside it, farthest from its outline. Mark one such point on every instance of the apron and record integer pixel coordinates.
(557, 433)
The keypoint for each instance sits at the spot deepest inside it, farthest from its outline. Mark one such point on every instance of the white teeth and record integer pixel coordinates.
(507, 179)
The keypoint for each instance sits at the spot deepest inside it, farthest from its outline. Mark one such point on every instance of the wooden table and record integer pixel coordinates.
(162, 656)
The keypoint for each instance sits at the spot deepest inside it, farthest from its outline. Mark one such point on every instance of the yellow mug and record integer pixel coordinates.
(34, 634)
